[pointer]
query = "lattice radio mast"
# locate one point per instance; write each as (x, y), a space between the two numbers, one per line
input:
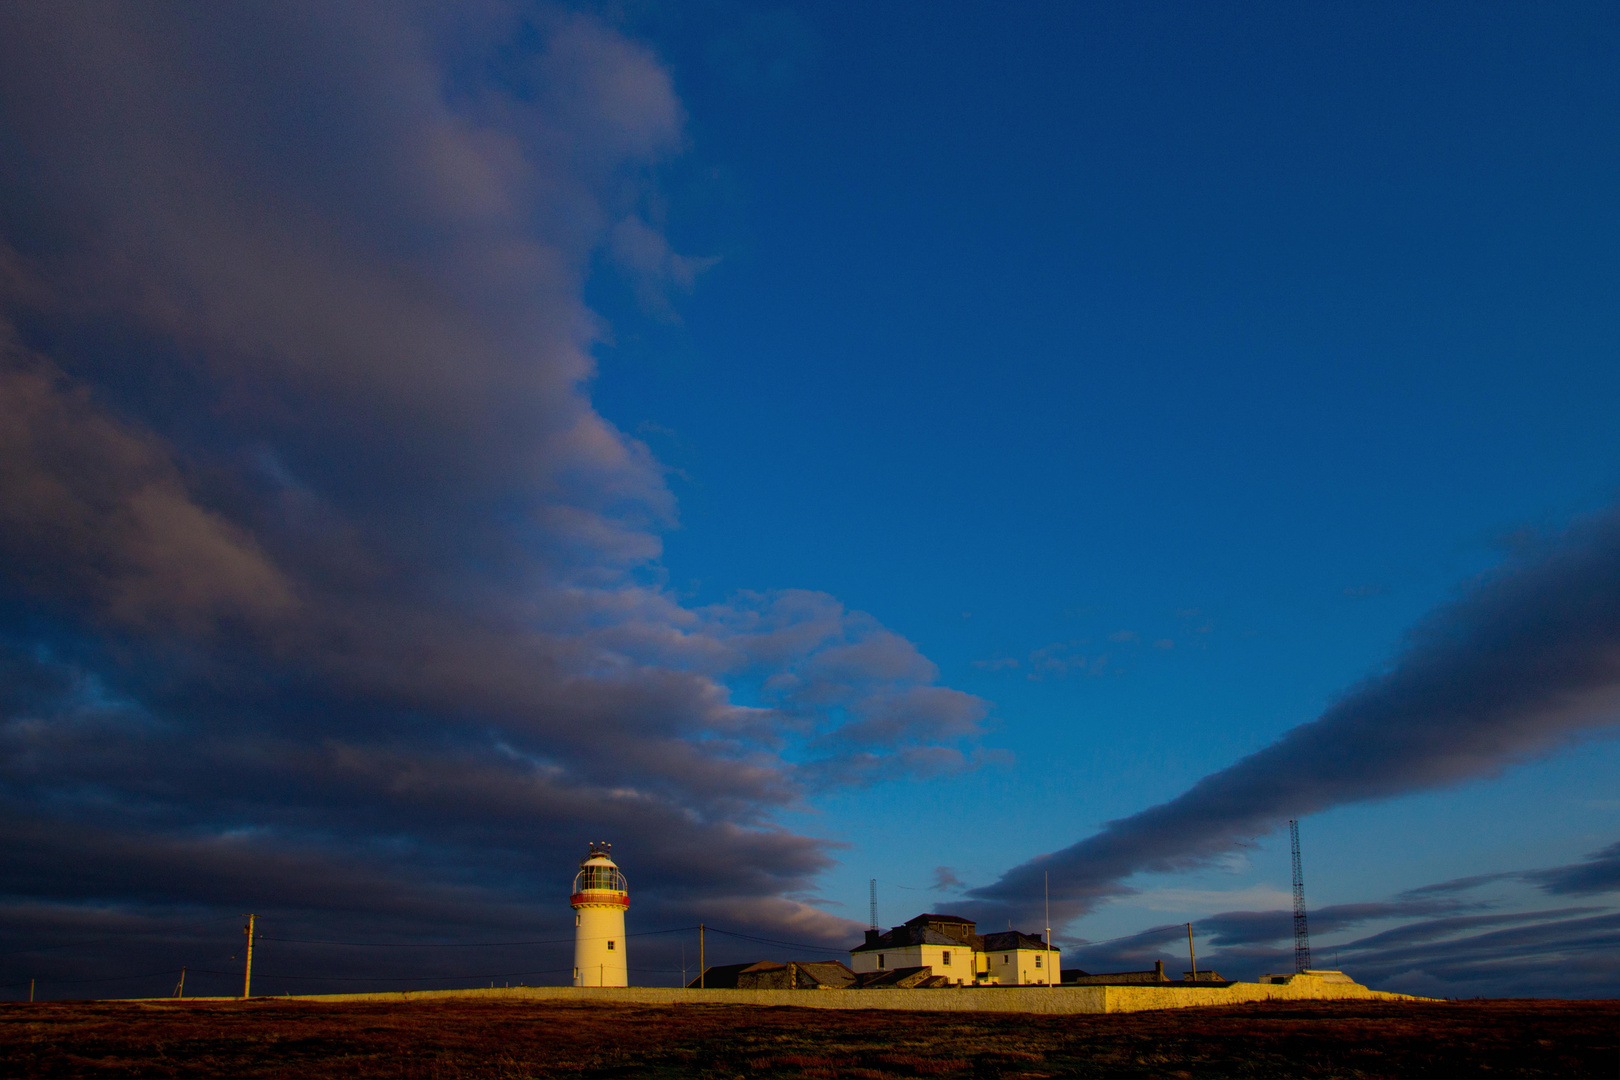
(874, 903)
(1302, 932)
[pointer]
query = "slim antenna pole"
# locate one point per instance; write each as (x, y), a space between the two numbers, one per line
(874, 903)
(1192, 956)
(247, 972)
(1302, 931)
(1047, 878)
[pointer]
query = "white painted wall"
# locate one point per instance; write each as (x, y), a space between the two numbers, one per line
(960, 968)
(1017, 967)
(599, 946)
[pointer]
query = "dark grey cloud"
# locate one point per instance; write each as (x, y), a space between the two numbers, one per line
(1598, 873)
(1564, 952)
(1456, 885)
(1257, 927)
(1525, 661)
(1567, 953)
(1445, 944)
(326, 591)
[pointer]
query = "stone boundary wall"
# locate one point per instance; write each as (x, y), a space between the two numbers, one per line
(1012, 999)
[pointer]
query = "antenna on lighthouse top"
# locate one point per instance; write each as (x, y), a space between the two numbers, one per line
(1302, 932)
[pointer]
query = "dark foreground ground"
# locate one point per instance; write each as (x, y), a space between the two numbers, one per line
(511, 1039)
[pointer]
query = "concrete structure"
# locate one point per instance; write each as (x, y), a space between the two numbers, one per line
(813, 975)
(948, 947)
(1309, 975)
(599, 900)
(1050, 1000)
(770, 975)
(1076, 977)
(1153, 977)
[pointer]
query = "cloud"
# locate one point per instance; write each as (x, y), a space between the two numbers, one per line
(1205, 899)
(1567, 952)
(326, 590)
(1598, 873)
(945, 880)
(1257, 927)
(1524, 662)
(645, 255)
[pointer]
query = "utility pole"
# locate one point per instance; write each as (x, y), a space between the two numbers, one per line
(247, 972)
(1302, 931)
(703, 969)
(1191, 956)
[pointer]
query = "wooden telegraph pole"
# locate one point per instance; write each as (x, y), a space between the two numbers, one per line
(702, 970)
(247, 972)
(1191, 955)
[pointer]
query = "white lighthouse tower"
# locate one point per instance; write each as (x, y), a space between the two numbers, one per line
(600, 899)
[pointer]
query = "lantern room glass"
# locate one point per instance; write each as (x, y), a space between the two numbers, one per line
(599, 879)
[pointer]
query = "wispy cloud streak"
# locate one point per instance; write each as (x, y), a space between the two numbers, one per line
(1525, 661)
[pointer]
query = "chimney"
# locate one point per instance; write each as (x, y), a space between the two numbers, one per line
(1158, 970)
(872, 937)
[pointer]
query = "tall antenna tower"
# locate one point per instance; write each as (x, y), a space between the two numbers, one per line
(874, 903)
(1302, 932)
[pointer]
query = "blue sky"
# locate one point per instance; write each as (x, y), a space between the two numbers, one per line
(1250, 334)
(810, 443)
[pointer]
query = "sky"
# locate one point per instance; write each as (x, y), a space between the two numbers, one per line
(1018, 457)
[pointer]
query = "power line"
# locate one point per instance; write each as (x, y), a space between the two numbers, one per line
(460, 944)
(395, 978)
(126, 935)
(784, 944)
(110, 978)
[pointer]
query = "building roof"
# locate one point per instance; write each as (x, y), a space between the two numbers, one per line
(902, 936)
(1008, 940)
(721, 976)
(910, 978)
(941, 919)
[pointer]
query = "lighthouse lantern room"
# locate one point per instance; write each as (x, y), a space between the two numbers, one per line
(599, 900)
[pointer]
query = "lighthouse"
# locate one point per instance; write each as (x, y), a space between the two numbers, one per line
(599, 901)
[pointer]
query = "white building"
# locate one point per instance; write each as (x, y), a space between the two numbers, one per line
(948, 947)
(599, 900)
(1017, 959)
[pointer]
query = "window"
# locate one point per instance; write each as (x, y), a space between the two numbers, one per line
(1037, 959)
(576, 918)
(610, 946)
(1005, 959)
(880, 961)
(947, 960)
(576, 974)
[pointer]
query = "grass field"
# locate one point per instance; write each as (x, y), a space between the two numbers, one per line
(511, 1039)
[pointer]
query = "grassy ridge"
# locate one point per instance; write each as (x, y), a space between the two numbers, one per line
(280, 1040)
